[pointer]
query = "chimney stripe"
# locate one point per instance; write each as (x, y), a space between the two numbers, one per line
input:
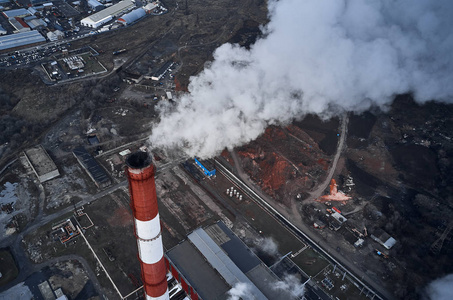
(140, 174)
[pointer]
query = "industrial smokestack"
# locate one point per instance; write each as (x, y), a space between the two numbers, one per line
(140, 174)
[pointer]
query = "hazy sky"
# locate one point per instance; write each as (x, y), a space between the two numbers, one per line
(319, 57)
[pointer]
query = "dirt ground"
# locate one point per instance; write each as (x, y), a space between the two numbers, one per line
(395, 169)
(286, 162)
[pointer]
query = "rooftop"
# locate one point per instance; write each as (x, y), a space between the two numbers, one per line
(20, 39)
(203, 278)
(98, 174)
(16, 13)
(214, 259)
(111, 11)
(40, 160)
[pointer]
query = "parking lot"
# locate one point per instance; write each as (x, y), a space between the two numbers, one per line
(31, 56)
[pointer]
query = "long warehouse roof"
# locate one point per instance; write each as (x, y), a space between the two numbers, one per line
(20, 39)
(111, 11)
(16, 13)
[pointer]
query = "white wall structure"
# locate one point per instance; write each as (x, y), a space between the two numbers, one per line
(132, 16)
(105, 15)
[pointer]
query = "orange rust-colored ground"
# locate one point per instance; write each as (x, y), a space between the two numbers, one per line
(324, 163)
(280, 159)
(274, 173)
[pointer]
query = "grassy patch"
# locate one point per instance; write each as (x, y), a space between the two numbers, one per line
(310, 261)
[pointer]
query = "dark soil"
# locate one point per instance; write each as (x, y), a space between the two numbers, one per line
(418, 165)
(323, 132)
(359, 129)
(247, 34)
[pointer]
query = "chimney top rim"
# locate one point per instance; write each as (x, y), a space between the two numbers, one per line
(138, 160)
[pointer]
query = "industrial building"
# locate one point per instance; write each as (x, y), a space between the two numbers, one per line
(41, 163)
(132, 16)
(213, 260)
(206, 166)
(95, 5)
(208, 264)
(19, 25)
(37, 2)
(55, 35)
(150, 6)
(20, 39)
(2, 31)
(34, 22)
(162, 71)
(383, 238)
(105, 15)
(65, 9)
(92, 167)
(21, 12)
(133, 77)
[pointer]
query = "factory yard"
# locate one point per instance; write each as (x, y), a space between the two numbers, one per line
(187, 200)
(91, 101)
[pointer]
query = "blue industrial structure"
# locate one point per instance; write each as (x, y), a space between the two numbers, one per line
(206, 170)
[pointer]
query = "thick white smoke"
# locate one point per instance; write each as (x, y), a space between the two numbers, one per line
(239, 291)
(292, 285)
(268, 246)
(316, 57)
(440, 289)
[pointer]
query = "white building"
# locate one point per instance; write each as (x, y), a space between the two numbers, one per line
(55, 35)
(95, 5)
(132, 16)
(105, 15)
(150, 6)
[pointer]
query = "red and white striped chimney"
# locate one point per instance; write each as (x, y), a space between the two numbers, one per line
(140, 174)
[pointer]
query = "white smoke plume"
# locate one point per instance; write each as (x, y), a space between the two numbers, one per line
(292, 285)
(240, 290)
(319, 57)
(440, 289)
(268, 246)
